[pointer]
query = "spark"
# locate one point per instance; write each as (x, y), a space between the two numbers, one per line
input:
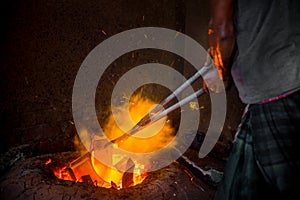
(172, 63)
(104, 33)
(48, 161)
(210, 31)
(194, 105)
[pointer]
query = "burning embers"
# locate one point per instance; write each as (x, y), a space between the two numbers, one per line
(87, 168)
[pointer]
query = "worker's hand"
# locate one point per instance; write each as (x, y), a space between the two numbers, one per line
(224, 72)
(211, 78)
(213, 81)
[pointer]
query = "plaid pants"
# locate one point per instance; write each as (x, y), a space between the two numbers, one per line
(264, 163)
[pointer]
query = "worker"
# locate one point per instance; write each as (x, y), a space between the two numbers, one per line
(257, 45)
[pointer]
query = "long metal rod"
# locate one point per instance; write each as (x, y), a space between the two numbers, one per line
(175, 106)
(161, 105)
(151, 117)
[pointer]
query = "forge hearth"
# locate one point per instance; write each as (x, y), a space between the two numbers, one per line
(87, 169)
(33, 178)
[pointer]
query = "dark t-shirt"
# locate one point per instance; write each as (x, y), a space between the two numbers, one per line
(268, 39)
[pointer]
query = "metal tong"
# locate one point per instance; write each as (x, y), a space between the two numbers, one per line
(159, 112)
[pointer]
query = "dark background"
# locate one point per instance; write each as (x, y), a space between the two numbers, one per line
(43, 44)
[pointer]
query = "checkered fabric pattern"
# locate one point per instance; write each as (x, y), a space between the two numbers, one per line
(264, 163)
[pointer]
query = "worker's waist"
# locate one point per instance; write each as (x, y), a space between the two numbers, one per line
(280, 96)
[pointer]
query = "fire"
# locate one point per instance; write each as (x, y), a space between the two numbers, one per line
(215, 51)
(217, 57)
(63, 174)
(116, 178)
(88, 169)
(152, 138)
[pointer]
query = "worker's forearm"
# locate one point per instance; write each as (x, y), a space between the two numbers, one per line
(221, 32)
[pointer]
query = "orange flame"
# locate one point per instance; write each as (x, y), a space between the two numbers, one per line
(150, 139)
(63, 174)
(215, 51)
(217, 57)
(155, 136)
